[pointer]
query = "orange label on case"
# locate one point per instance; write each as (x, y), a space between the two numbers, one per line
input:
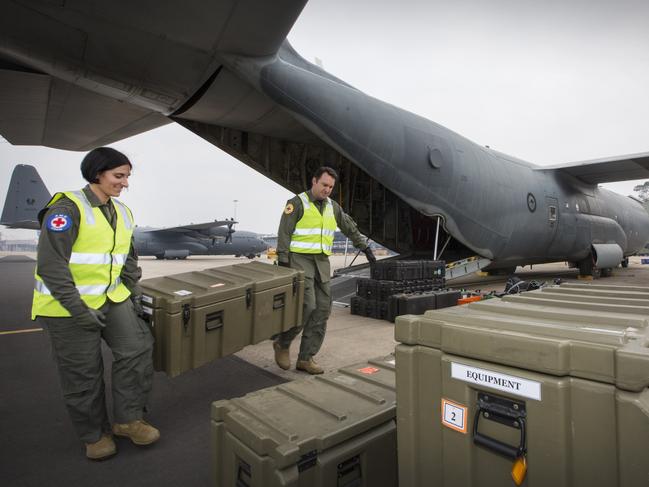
(454, 415)
(368, 370)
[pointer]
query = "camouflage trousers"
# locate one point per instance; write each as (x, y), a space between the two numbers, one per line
(316, 311)
(77, 352)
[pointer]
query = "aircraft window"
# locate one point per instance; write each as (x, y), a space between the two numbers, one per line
(553, 213)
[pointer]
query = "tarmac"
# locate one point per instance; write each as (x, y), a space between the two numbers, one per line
(39, 447)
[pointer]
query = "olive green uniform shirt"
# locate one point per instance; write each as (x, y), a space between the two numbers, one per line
(287, 225)
(55, 249)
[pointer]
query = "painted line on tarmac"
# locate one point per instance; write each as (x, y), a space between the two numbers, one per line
(15, 332)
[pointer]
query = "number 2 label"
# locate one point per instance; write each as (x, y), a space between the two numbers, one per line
(454, 415)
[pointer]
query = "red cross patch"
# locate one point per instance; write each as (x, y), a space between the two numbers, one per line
(58, 222)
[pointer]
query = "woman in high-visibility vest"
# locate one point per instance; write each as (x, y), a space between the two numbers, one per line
(86, 290)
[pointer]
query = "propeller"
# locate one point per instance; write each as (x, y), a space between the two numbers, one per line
(228, 237)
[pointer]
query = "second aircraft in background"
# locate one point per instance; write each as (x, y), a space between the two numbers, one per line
(27, 195)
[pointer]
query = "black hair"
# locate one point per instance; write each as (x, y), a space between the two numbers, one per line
(101, 159)
(325, 169)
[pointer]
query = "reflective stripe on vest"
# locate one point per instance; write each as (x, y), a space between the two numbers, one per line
(92, 290)
(98, 256)
(314, 232)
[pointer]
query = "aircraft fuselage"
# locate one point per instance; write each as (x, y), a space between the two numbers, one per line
(180, 246)
(500, 207)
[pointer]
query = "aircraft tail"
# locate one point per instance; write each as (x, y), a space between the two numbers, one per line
(26, 196)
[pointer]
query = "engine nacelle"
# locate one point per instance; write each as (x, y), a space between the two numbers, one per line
(176, 254)
(607, 256)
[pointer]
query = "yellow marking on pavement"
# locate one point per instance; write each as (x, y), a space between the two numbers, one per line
(13, 332)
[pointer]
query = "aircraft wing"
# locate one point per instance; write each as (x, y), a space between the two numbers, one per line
(37, 109)
(77, 77)
(191, 229)
(607, 170)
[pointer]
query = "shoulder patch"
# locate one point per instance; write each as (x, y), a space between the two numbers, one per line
(58, 222)
(289, 209)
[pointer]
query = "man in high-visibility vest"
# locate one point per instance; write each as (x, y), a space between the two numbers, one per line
(304, 241)
(86, 289)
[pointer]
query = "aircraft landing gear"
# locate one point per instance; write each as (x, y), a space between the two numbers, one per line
(251, 256)
(505, 271)
(608, 272)
(586, 267)
(625, 263)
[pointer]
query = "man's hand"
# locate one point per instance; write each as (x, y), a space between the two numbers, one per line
(369, 255)
(92, 317)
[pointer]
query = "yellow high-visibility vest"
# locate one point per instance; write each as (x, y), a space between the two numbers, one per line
(314, 232)
(98, 256)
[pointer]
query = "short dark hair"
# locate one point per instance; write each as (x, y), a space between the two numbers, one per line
(326, 169)
(101, 159)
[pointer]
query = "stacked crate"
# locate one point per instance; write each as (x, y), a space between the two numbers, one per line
(393, 277)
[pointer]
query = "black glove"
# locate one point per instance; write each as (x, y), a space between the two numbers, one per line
(283, 264)
(369, 255)
(93, 317)
(136, 299)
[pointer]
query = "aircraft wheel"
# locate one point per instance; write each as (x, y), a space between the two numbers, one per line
(625, 263)
(251, 256)
(608, 272)
(159, 257)
(586, 266)
(505, 271)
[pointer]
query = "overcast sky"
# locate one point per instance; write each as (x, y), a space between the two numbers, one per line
(550, 82)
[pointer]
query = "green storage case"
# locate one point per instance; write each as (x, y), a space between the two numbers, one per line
(333, 430)
(559, 375)
(197, 317)
(278, 296)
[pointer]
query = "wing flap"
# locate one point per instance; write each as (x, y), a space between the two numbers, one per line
(607, 170)
(36, 109)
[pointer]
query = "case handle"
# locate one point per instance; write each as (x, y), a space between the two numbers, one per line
(495, 445)
(350, 473)
(279, 301)
(214, 320)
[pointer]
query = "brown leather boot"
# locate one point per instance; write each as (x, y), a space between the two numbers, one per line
(102, 449)
(309, 366)
(139, 431)
(282, 356)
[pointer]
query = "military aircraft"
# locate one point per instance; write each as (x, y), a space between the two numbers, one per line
(76, 76)
(27, 194)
